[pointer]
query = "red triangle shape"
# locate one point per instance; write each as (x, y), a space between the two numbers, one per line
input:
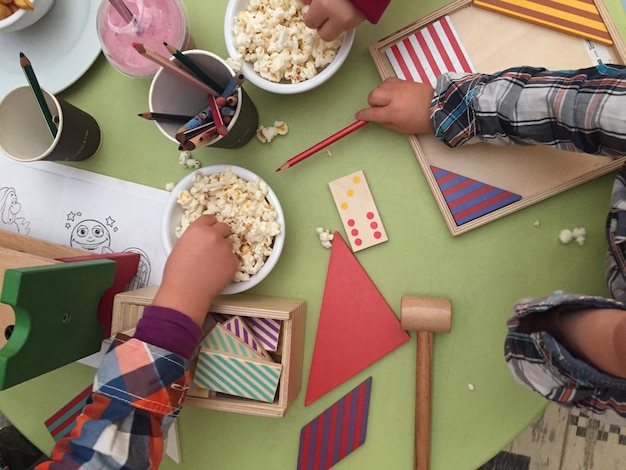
(356, 326)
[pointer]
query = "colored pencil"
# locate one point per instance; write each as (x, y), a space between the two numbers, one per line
(193, 68)
(172, 67)
(41, 101)
(217, 117)
(323, 144)
(199, 119)
(191, 133)
(234, 83)
(126, 14)
(164, 117)
(199, 140)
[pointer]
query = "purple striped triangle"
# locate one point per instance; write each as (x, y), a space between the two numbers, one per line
(337, 431)
(469, 199)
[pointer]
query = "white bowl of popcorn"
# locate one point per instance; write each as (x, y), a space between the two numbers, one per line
(20, 14)
(274, 48)
(239, 198)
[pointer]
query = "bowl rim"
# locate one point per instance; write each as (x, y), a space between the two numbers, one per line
(171, 205)
(12, 18)
(283, 88)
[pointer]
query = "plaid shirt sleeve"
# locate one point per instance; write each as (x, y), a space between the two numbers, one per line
(580, 110)
(138, 392)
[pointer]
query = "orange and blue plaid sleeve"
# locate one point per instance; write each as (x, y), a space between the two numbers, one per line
(138, 392)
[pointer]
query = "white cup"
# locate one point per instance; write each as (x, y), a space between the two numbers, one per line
(25, 136)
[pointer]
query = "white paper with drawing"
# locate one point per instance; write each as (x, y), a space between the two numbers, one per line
(78, 208)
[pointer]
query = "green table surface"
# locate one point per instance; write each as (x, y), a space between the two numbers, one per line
(483, 272)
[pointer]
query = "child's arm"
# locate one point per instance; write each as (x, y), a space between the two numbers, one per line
(332, 17)
(597, 336)
(581, 110)
(142, 381)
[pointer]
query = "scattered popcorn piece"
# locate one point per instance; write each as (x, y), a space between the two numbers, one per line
(579, 234)
(186, 161)
(565, 236)
(471, 387)
(272, 36)
(537, 223)
(326, 238)
(243, 206)
(267, 134)
(170, 186)
(235, 63)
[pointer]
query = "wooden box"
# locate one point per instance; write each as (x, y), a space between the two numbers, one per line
(494, 42)
(128, 309)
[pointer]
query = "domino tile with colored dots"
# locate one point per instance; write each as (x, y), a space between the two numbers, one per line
(358, 211)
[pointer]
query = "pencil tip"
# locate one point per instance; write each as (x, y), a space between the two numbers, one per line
(24, 62)
(139, 47)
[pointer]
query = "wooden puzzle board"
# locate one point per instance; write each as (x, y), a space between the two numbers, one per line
(535, 173)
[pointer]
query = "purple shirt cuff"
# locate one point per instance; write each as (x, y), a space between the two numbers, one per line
(169, 329)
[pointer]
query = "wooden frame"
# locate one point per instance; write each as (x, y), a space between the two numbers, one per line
(128, 309)
(535, 173)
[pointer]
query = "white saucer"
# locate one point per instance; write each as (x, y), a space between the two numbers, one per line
(61, 47)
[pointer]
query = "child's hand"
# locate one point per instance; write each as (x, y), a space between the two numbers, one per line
(199, 267)
(332, 17)
(400, 105)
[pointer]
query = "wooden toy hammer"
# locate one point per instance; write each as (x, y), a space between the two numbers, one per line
(425, 316)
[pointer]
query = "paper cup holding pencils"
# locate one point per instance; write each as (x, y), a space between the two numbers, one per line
(25, 135)
(172, 93)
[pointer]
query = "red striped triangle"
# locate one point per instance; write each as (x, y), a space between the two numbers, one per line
(469, 199)
(356, 326)
(64, 420)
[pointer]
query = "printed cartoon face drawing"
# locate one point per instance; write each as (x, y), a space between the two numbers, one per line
(91, 235)
(9, 208)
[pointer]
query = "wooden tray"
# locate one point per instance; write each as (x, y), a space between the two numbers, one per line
(493, 42)
(128, 309)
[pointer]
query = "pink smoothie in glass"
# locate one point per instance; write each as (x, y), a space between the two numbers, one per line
(159, 21)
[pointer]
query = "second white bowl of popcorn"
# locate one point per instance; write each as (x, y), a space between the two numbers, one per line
(274, 48)
(239, 198)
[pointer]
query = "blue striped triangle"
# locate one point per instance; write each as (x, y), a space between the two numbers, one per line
(469, 199)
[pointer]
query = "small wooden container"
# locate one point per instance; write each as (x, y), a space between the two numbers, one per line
(128, 309)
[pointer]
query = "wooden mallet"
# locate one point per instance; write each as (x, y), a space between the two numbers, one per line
(425, 316)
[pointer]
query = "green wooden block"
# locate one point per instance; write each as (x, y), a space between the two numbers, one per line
(55, 316)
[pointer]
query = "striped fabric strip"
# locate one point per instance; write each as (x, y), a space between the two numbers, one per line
(578, 17)
(336, 432)
(431, 51)
(469, 199)
(236, 376)
(64, 420)
(238, 327)
(266, 330)
(221, 339)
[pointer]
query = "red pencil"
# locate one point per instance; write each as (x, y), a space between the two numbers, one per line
(323, 144)
(217, 117)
